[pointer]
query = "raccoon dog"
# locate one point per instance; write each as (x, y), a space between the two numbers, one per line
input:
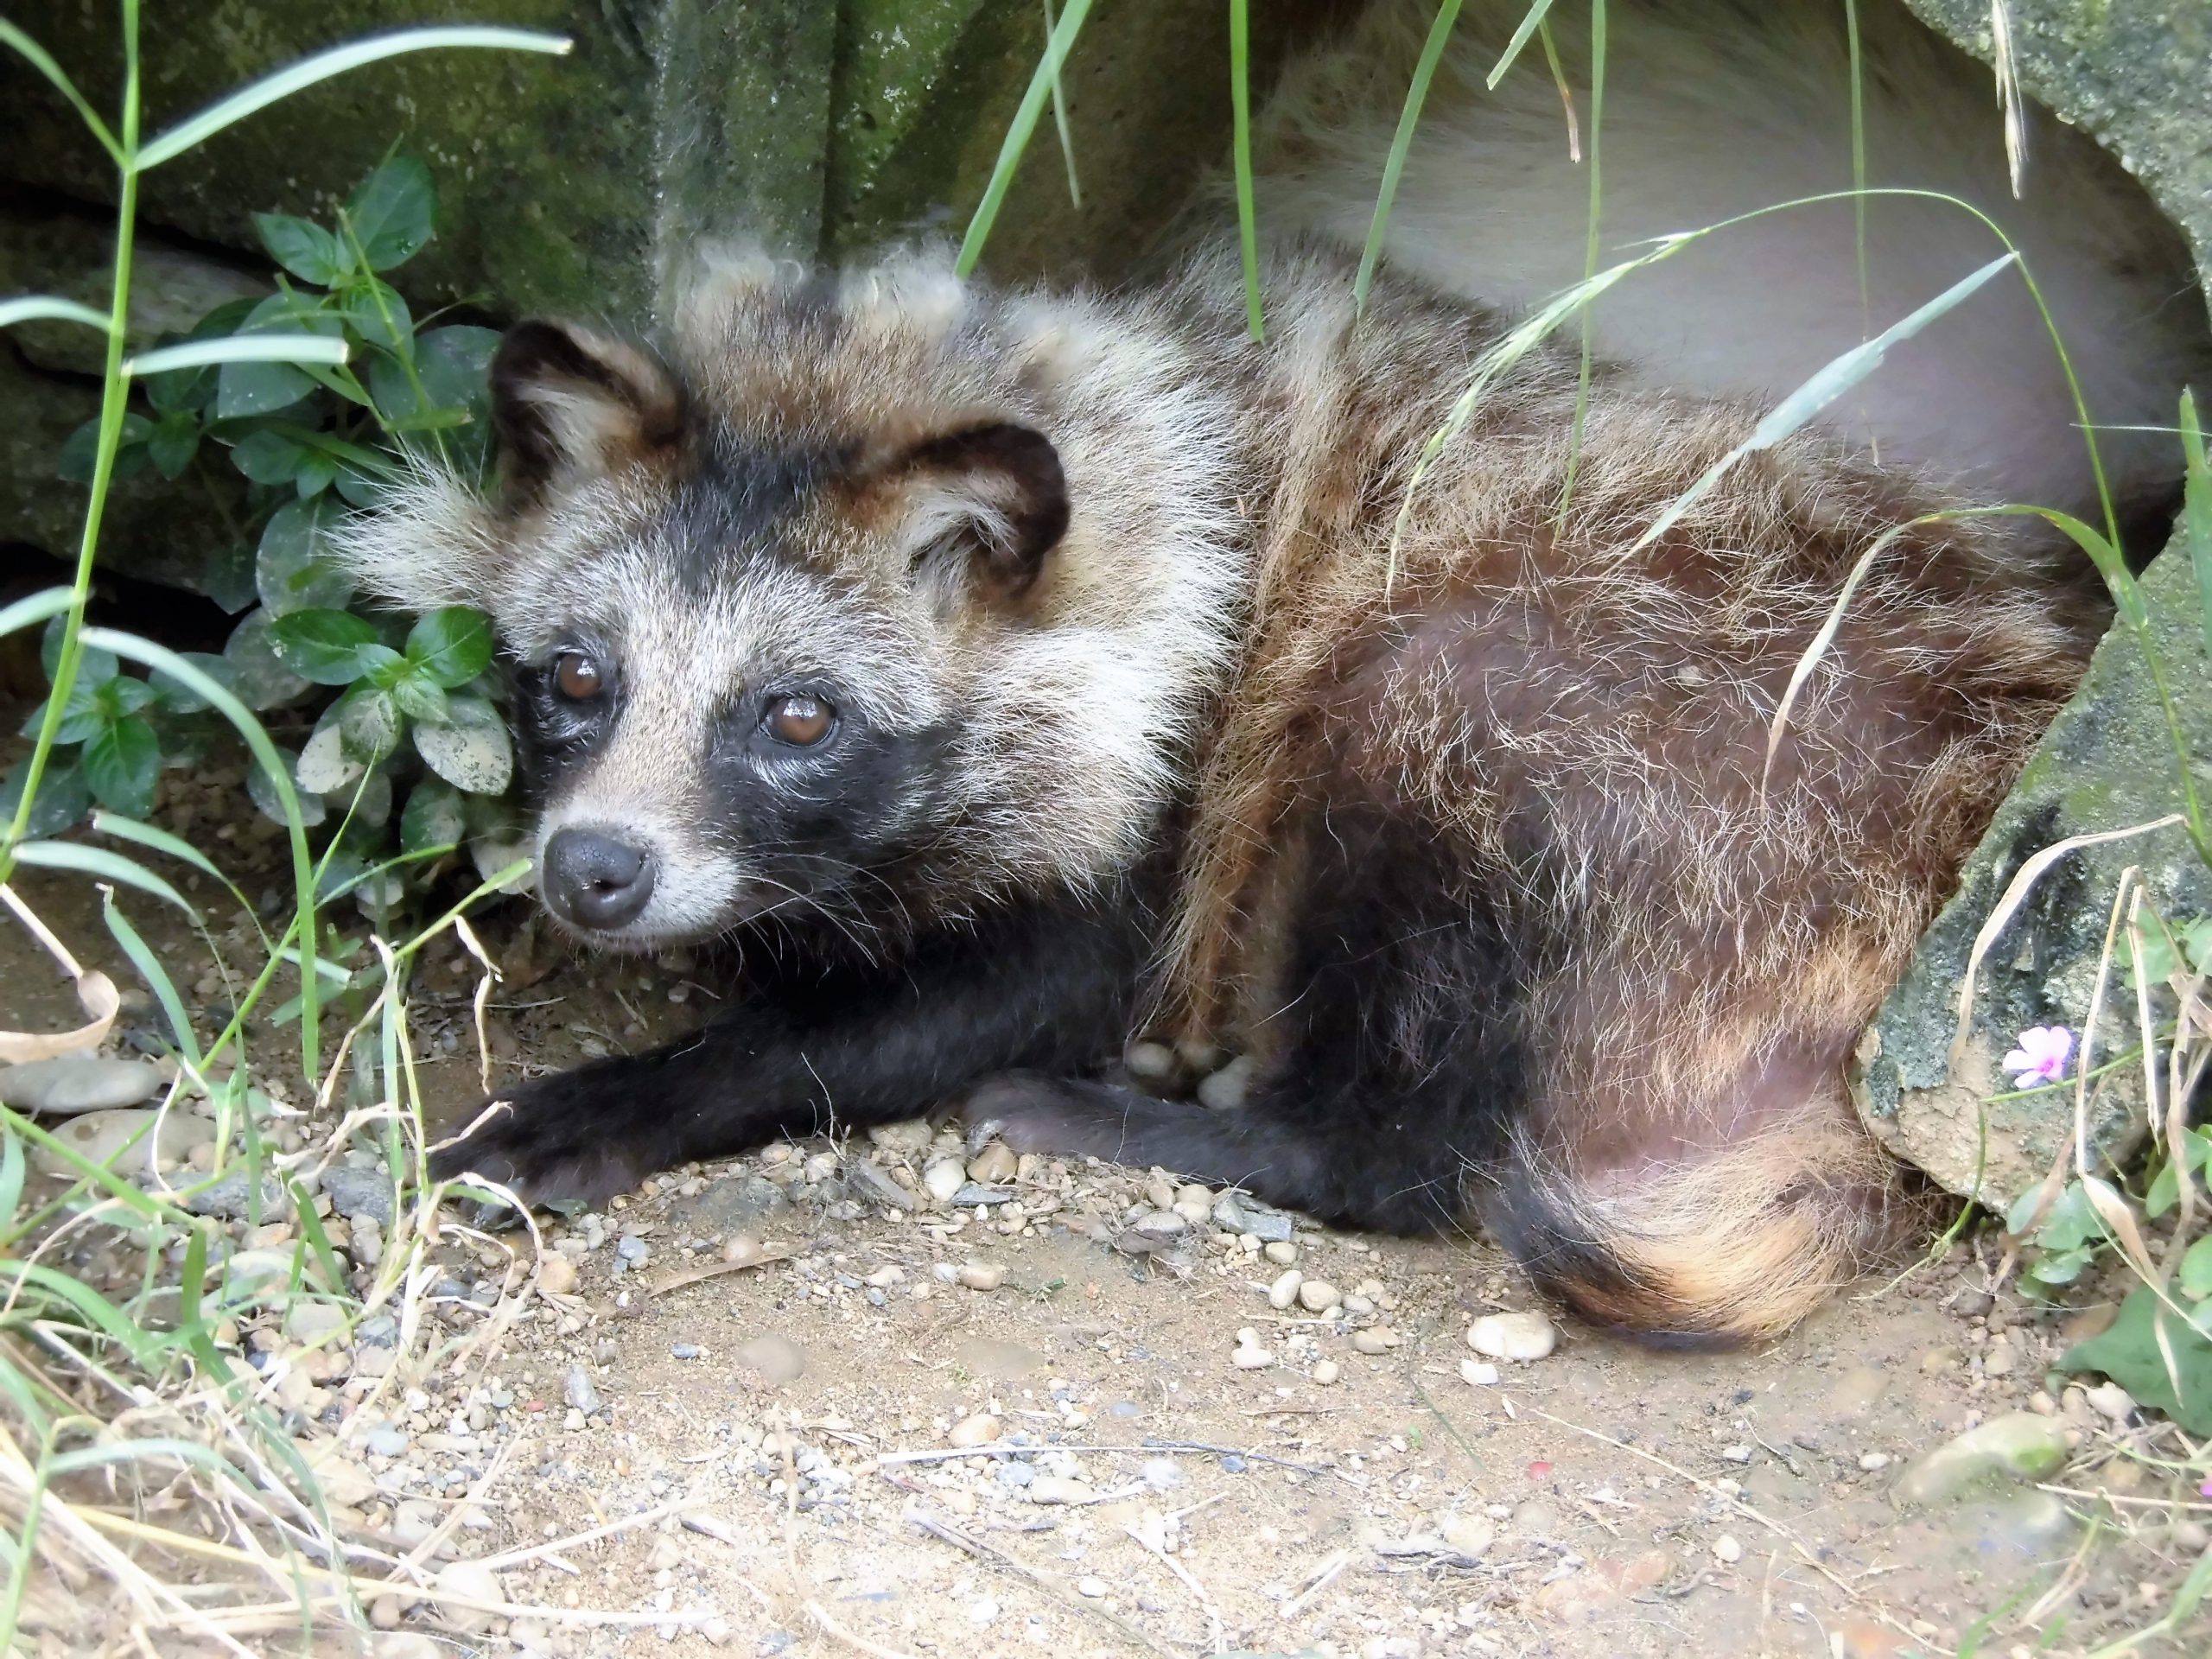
(1007, 671)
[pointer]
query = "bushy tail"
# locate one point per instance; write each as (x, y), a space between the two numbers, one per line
(1713, 1249)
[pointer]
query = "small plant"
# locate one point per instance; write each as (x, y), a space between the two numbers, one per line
(416, 706)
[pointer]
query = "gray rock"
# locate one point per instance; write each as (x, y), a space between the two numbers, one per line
(580, 1392)
(78, 1083)
(232, 1199)
(2010, 1450)
(386, 1441)
(2132, 74)
(354, 1191)
(974, 1192)
(1239, 1212)
(2106, 763)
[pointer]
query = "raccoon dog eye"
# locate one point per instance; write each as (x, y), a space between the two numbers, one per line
(800, 721)
(577, 677)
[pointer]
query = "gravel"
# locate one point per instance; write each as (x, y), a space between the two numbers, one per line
(580, 1392)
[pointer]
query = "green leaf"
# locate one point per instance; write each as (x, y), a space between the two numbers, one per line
(2165, 1186)
(2129, 1353)
(2195, 1277)
(375, 311)
(271, 804)
(175, 697)
(304, 248)
(420, 697)
(62, 797)
(80, 449)
(315, 475)
(268, 456)
(295, 568)
(453, 646)
(94, 666)
(125, 696)
(434, 817)
(258, 676)
(472, 752)
(330, 647)
(255, 388)
(82, 715)
(173, 442)
(121, 764)
(368, 721)
(393, 213)
(2071, 1223)
(194, 388)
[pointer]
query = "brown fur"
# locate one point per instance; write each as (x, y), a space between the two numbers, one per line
(1589, 722)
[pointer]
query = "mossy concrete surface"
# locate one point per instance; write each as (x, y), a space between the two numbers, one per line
(2134, 74)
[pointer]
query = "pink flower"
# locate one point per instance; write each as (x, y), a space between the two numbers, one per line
(2041, 1055)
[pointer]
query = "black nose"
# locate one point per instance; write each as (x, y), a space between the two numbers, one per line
(593, 881)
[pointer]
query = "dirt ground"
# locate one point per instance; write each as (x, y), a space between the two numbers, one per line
(787, 1457)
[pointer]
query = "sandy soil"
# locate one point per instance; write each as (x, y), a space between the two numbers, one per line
(769, 1448)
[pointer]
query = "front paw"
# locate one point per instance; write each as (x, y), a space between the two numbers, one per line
(1033, 1113)
(559, 1139)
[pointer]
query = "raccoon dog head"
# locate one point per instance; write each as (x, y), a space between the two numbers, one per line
(868, 598)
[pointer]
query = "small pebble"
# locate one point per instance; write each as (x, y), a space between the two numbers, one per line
(1060, 1488)
(1248, 1354)
(982, 1275)
(1092, 1587)
(2111, 1401)
(580, 1391)
(943, 1178)
(1736, 1453)
(1479, 1372)
(994, 1165)
(1513, 1336)
(685, 1350)
(1374, 1339)
(1284, 1291)
(386, 1442)
(1326, 1371)
(1727, 1547)
(1281, 1252)
(980, 1430)
(556, 1273)
(1870, 1461)
(1319, 1296)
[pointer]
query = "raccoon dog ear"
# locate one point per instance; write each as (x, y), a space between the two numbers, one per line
(569, 404)
(992, 500)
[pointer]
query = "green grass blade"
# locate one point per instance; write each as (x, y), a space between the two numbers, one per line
(145, 651)
(1060, 122)
(157, 980)
(1248, 217)
(40, 60)
(106, 866)
(1432, 53)
(1589, 252)
(46, 308)
(238, 348)
(1018, 134)
(1530, 24)
(30, 611)
(11, 1172)
(2196, 508)
(1826, 384)
(160, 840)
(324, 65)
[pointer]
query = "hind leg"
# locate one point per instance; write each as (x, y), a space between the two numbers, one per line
(1400, 1053)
